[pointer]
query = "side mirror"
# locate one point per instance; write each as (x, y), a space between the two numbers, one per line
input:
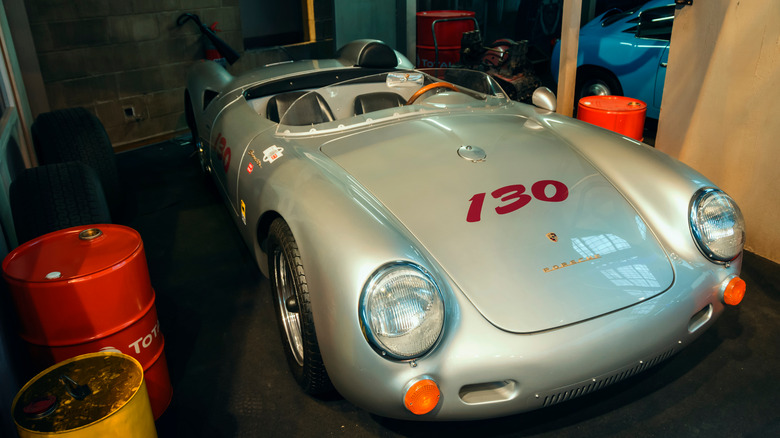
(656, 23)
(544, 98)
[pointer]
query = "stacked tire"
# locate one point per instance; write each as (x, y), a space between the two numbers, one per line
(77, 182)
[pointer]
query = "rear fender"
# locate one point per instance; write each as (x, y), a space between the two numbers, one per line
(206, 76)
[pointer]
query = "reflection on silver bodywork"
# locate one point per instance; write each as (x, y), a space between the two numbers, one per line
(628, 274)
(640, 225)
(437, 123)
(602, 244)
(631, 275)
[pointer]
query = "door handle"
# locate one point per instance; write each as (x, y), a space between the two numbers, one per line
(664, 64)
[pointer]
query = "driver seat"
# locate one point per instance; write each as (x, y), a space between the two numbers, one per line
(311, 109)
(366, 103)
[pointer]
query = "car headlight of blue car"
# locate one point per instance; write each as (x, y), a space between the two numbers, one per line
(717, 225)
(402, 311)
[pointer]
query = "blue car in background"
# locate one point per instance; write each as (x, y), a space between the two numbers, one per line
(624, 53)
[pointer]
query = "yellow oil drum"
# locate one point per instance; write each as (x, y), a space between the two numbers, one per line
(92, 395)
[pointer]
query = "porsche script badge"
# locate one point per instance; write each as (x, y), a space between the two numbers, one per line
(572, 263)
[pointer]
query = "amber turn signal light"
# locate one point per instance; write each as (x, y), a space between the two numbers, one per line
(734, 291)
(422, 397)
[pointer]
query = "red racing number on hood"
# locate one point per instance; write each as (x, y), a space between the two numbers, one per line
(513, 198)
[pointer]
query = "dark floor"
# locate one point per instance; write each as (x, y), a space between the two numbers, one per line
(230, 378)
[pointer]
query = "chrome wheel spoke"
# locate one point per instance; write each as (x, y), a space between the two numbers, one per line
(291, 321)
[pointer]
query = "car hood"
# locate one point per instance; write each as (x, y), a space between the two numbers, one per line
(573, 250)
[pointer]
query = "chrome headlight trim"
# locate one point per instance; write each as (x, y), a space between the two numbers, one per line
(717, 225)
(401, 311)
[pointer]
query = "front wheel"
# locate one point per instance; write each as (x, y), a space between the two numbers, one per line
(293, 310)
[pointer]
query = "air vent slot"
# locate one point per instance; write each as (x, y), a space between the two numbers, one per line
(208, 96)
(489, 392)
(700, 318)
(597, 384)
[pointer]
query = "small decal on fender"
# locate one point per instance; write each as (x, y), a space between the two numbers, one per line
(249, 168)
(272, 154)
(243, 212)
(252, 155)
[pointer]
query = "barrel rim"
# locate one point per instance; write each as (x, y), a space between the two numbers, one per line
(602, 104)
(141, 389)
(18, 252)
(446, 13)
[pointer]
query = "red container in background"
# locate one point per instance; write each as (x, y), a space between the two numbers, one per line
(87, 289)
(449, 27)
(621, 114)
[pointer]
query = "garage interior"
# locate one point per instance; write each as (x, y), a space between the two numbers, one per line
(126, 63)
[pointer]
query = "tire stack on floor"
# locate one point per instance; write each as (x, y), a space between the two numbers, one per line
(77, 181)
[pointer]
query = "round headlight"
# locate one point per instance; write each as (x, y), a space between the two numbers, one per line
(402, 311)
(717, 225)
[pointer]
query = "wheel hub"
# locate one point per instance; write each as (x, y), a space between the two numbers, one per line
(598, 90)
(291, 304)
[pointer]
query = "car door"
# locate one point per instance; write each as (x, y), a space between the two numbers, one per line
(656, 24)
(660, 78)
(233, 130)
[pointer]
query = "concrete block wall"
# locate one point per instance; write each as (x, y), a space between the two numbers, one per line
(126, 61)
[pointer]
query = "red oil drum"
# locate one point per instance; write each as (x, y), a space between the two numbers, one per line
(87, 289)
(442, 30)
(621, 114)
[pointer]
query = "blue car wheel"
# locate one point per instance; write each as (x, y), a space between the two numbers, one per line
(596, 82)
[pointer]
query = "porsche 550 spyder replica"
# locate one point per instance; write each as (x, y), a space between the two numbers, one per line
(437, 251)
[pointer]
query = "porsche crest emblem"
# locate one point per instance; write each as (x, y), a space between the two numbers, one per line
(552, 236)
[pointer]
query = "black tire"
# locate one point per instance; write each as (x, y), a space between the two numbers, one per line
(74, 134)
(200, 151)
(56, 196)
(299, 337)
(592, 82)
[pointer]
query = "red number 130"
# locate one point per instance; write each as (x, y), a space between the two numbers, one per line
(514, 198)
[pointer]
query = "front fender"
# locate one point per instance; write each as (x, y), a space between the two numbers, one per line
(658, 187)
(344, 234)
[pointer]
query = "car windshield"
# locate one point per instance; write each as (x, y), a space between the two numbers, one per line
(387, 97)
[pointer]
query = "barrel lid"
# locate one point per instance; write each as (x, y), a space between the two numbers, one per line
(71, 253)
(77, 392)
(613, 103)
(445, 14)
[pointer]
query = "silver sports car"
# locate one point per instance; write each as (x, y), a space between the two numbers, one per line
(439, 252)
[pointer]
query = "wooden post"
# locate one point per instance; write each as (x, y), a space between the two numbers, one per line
(309, 21)
(567, 74)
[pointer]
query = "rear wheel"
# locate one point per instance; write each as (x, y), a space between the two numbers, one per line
(189, 115)
(593, 82)
(293, 310)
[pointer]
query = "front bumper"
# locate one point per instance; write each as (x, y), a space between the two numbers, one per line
(483, 372)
